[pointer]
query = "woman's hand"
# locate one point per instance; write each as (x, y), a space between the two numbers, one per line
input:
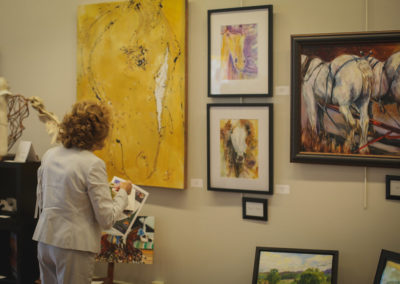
(127, 186)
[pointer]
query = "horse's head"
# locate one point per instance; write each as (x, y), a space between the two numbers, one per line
(232, 48)
(239, 141)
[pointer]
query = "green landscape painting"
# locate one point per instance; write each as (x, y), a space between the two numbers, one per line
(294, 268)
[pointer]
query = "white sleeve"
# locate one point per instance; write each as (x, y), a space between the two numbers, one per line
(106, 209)
(39, 198)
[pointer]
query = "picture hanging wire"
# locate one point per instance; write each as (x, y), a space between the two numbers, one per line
(365, 169)
(366, 15)
(365, 188)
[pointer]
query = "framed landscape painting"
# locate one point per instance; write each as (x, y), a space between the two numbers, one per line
(240, 51)
(288, 265)
(240, 147)
(345, 99)
(388, 270)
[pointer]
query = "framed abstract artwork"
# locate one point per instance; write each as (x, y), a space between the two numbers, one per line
(345, 99)
(288, 265)
(255, 208)
(388, 270)
(240, 147)
(393, 187)
(240, 51)
(132, 56)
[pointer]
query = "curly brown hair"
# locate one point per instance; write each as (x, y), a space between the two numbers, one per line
(86, 126)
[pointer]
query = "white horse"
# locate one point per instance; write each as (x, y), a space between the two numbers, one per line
(386, 86)
(346, 82)
(240, 150)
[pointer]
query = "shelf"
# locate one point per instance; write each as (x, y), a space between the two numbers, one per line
(18, 250)
(9, 224)
(15, 165)
(8, 280)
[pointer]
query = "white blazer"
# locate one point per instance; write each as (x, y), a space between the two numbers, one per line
(74, 200)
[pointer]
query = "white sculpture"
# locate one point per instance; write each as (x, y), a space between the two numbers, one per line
(4, 93)
(48, 118)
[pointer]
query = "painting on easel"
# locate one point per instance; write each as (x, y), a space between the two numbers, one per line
(137, 248)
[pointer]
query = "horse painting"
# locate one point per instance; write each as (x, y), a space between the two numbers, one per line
(345, 82)
(384, 109)
(386, 87)
(238, 52)
(239, 148)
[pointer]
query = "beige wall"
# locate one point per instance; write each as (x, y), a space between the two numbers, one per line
(201, 237)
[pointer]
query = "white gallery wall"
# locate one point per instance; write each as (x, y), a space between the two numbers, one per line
(201, 237)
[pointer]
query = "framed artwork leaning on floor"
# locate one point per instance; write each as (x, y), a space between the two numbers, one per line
(286, 265)
(388, 270)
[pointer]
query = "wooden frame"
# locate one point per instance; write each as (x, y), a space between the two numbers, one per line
(240, 147)
(393, 187)
(240, 51)
(388, 260)
(255, 208)
(324, 68)
(270, 262)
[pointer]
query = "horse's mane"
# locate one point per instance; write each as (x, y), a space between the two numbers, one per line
(306, 65)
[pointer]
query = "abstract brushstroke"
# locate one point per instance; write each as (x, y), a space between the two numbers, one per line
(161, 82)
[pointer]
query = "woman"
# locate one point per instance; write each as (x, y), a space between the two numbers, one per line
(74, 198)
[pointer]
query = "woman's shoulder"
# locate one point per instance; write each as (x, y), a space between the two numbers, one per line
(51, 151)
(91, 158)
(72, 153)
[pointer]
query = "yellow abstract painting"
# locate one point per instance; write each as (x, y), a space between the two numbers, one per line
(132, 56)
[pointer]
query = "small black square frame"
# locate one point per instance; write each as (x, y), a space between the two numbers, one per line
(255, 208)
(393, 187)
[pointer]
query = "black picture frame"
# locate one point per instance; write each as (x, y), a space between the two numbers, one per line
(268, 256)
(386, 258)
(307, 75)
(251, 76)
(255, 208)
(393, 187)
(251, 126)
